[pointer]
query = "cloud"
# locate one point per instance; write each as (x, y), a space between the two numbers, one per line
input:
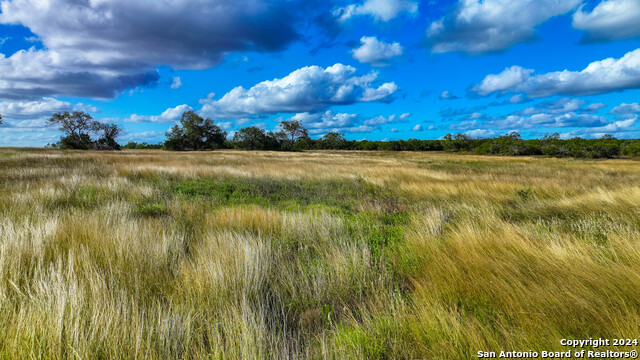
(544, 120)
(563, 105)
(308, 89)
(621, 128)
(226, 126)
(169, 116)
(383, 93)
(176, 83)
(381, 10)
(593, 108)
(599, 77)
(207, 99)
(324, 122)
(418, 127)
(375, 52)
(393, 130)
(506, 80)
(481, 133)
(18, 137)
(243, 121)
(609, 20)
(100, 48)
(561, 113)
(380, 120)
(518, 98)
(85, 108)
(44, 107)
(38, 73)
(625, 108)
(476, 115)
(404, 116)
(362, 129)
(446, 95)
(144, 136)
(477, 27)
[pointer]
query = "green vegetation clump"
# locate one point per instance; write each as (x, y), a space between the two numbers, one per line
(151, 210)
(283, 193)
(132, 145)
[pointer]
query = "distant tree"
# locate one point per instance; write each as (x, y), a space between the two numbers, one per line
(294, 129)
(303, 143)
(77, 122)
(276, 140)
(108, 134)
(0, 119)
(77, 126)
(334, 140)
(552, 145)
(605, 147)
(457, 142)
(195, 134)
(251, 138)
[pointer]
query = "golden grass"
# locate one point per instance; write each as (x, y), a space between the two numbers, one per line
(143, 254)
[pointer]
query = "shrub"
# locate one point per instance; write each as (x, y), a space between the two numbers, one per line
(151, 210)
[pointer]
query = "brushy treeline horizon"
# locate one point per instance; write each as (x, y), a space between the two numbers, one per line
(313, 255)
(510, 144)
(195, 133)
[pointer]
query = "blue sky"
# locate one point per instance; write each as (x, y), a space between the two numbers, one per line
(371, 69)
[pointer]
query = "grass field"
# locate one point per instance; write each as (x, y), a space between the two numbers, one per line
(361, 255)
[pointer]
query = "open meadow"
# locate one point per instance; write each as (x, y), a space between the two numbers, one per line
(336, 255)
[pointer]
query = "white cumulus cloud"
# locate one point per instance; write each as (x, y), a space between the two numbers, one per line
(324, 122)
(481, 26)
(170, 115)
(625, 108)
(609, 20)
(32, 109)
(506, 80)
(308, 89)
(376, 52)
(622, 128)
(599, 77)
(381, 10)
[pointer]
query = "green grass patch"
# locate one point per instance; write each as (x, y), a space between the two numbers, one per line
(84, 197)
(275, 192)
(151, 210)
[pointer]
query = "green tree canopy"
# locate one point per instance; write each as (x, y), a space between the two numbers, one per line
(78, 126)
(108, 134)
(251, 138)
(293, 129)
(334, 140)
(76, 123)
(195, 134)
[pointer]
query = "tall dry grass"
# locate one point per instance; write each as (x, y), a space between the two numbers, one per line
(236, 255)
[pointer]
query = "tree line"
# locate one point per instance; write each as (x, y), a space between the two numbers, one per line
(195, 133)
